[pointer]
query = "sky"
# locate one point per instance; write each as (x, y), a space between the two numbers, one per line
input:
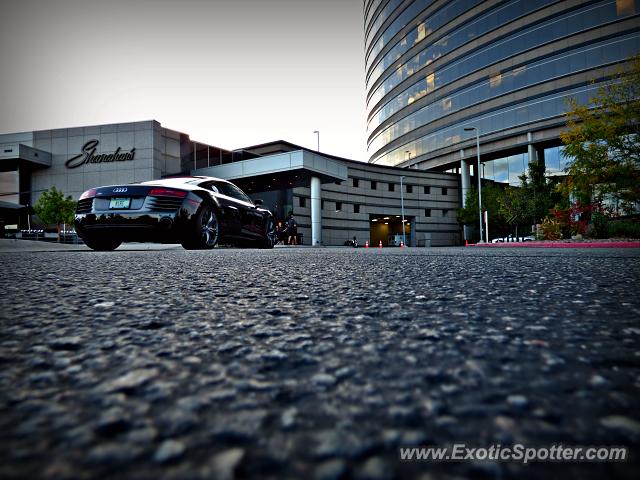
(231, 73)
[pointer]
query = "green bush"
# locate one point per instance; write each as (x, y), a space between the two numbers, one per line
(624, 229)
(599, 226)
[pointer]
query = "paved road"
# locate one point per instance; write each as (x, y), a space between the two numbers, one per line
(315, 363)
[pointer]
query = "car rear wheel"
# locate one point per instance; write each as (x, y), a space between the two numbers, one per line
(101, 244)
(270, 236)
(205, 231)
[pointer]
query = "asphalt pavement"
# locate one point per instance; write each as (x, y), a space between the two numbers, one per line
(315, 363)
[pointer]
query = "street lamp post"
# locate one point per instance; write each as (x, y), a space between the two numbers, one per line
(478, 173)
(404, 238)
(317, 132)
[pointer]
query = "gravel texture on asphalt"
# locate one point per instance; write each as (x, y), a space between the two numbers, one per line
(316, 363)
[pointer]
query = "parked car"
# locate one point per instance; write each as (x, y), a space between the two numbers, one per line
(511, 238)
(197, 212)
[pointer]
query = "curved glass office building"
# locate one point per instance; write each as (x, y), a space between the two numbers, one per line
(434, 67)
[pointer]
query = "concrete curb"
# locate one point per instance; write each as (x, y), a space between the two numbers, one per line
(631, 244)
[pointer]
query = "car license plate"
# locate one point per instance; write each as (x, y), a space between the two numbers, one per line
(119, 203)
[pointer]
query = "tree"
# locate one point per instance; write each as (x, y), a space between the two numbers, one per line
(532, 201)
(514, 205)
(526, 204)
(53, 208)
(491, 202)
(603, 140)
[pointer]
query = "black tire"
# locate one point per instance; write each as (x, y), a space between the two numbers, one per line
(205, 230)
(270, 236)
(101, 244)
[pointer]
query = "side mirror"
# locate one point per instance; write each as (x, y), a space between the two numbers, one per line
(258, 202)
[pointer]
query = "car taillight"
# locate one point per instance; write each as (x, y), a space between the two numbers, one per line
(88, 194)
(167, 192)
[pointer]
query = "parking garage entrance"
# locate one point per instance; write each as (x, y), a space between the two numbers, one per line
(388, 229)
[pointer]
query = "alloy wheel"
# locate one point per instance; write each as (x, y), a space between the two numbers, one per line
(209, 228)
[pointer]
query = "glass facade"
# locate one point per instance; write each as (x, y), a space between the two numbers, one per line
(520, 114)
(420, 33)
(505, 170)
(554, 161)
(525, 76)
(435, 67)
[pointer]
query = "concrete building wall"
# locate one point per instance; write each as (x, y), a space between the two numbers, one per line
(440, 227)
(157, 153)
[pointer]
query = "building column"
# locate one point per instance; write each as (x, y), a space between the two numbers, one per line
(533, 157)
(531, 150)
(465, 178)
(316, 212)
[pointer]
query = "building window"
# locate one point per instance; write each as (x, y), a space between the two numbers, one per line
(431, 81)
(303, 202)
(427, 190)
(445, 213)
(356, 209)
(374, 185)
(356, 182)
(392, 187)
(338, 206)
(427, 212)
(495, 80)
(625, 7)
(321, 204)
(409, 188)
(444, 190)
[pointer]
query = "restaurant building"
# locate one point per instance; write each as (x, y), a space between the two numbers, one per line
(333, 199)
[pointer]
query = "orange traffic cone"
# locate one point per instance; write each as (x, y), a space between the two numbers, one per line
(466, 243)
(366, 244)
(380, 244)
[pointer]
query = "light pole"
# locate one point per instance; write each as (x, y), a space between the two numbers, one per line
(404, 238)
(317, 132)
(478, 173)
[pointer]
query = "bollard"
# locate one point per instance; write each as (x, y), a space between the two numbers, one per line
(380, 244)
(366, 244)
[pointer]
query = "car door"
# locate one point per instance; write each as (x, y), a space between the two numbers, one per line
(253, 218)
(231, 218)
(250, 219)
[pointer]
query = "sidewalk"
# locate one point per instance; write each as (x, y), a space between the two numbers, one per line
(563, 244)
(13, 245)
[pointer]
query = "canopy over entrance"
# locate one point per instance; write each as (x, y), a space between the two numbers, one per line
(275, 172)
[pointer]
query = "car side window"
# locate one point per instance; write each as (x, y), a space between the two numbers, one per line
(239, 194)
(232, 191)
(221, 188)
(209, 186)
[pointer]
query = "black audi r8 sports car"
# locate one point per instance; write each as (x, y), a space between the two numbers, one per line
(197, 212)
